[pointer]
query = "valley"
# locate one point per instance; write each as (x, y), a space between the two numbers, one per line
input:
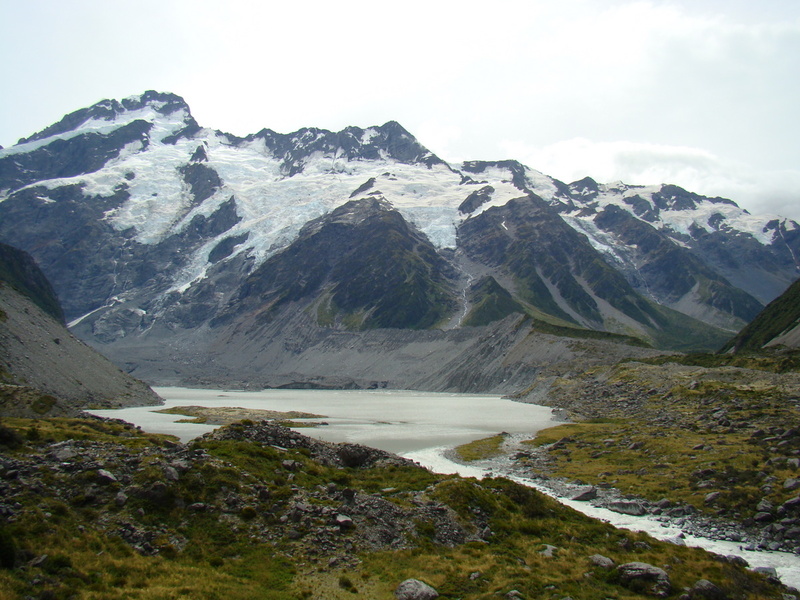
(139, 248)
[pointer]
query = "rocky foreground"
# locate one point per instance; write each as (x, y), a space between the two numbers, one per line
(96, 509)
(716, 448)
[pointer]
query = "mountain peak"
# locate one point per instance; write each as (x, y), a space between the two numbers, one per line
(109, 111)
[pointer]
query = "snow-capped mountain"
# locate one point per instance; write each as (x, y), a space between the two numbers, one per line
(150, 226)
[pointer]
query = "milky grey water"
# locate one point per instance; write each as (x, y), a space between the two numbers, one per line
(395, 421)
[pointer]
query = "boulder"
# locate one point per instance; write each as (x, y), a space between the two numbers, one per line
(104, 476)
(765, 506)
(344, 522)
(791, 484)
(598, 560)
(628, 507)
(414, 589)
(171, 473)
(644, 578)
(585, 494)
(705, 589)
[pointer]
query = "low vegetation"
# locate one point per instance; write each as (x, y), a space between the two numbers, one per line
(95, 509)
(481, 449)
(721, 438)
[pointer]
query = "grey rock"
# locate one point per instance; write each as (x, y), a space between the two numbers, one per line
(705, 589)
(791, 484)
(105, 477)
(765, 506)
(64, 454)
(645, 578)
(171, 474)
(585, 494)
(792, 503)
(548, 551)
(628, 507)
(344, 522)
(792, 533)
(599, 560)
(121, 499)
(762, 517)
(712, 497)
(768, 571)
(414, 589)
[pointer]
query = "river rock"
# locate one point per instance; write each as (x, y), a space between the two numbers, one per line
(645, 579)
(414, 589)
(585, 494)
(628, 507)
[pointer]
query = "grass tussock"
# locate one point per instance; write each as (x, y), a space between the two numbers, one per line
(481, 449)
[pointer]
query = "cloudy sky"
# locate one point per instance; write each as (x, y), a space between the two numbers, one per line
(702, 93)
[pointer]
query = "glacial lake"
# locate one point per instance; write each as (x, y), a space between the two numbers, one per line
(402, 422)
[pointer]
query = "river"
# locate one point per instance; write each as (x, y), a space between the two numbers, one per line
(420, 426)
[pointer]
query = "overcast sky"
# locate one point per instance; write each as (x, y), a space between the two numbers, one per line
(701, 93)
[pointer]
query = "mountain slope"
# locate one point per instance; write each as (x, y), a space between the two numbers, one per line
(20, 271)
(151, 228)
(777, 325)
(45, 370)
(364, 266)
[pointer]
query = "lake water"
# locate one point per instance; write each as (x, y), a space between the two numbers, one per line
(420, 426)
(396, 421)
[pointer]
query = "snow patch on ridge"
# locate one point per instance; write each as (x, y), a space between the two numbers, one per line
(708, 216)
(163, 125)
